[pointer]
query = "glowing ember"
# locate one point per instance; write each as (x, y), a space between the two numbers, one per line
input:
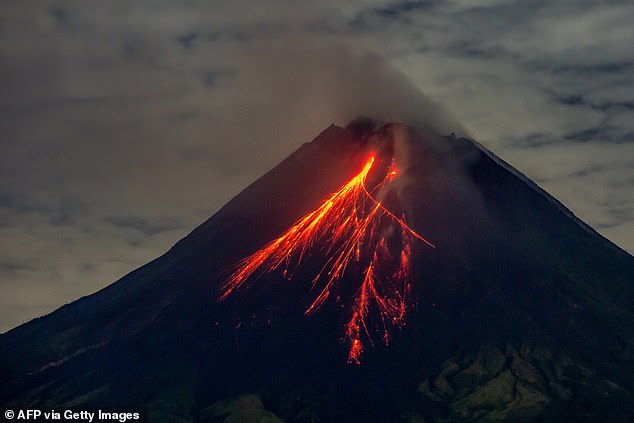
(353, 231)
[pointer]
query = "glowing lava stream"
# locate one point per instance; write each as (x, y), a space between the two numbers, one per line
(352, 229)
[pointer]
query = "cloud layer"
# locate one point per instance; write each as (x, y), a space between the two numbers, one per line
(125, 124)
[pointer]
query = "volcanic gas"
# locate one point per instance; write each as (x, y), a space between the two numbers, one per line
(354, 235)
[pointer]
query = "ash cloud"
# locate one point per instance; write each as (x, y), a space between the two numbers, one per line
(316, 81)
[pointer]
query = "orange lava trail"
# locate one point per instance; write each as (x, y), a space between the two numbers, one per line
(350, 227)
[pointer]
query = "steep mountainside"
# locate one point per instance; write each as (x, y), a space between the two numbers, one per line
(521, 312)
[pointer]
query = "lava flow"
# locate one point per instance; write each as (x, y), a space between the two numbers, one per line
(357, 236)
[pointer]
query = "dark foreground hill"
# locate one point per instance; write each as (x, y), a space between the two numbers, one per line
(521, 312)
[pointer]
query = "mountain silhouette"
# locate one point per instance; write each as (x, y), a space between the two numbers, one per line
(512, 308)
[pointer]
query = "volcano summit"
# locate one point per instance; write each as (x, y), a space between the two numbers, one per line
(376, 274)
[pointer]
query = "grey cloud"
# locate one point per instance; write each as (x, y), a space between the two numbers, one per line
(392, 11)
(537, 139)
(211, 76)
(606, 106)
(60, 15)
(15, 266)
(587, 134)
(599, 68)
(188, 40)
(145, 226)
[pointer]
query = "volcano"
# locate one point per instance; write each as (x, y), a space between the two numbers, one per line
(378, 274)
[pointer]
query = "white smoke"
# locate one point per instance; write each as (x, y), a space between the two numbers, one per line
(310, 83)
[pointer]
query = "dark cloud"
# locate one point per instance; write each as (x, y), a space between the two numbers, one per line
(396, 10)
(145, 226)
(60, 15)
(390, 12)
(10, 267)
(587, 134)
(572, 100)
(187, 40)
(609, 68)
(534, 140)
(211, 76)
(605, 106)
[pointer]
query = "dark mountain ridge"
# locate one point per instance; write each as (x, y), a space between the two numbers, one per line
(521, 312)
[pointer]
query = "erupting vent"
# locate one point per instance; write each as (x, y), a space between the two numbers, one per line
(356, 236)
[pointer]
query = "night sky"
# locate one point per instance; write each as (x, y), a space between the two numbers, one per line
(124, 125)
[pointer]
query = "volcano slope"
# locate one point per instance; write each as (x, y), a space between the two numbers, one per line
(508, 308)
